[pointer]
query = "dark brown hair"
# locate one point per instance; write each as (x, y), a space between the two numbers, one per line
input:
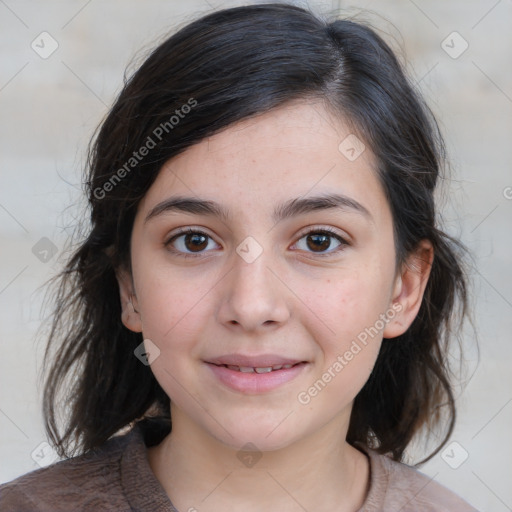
(224, 67)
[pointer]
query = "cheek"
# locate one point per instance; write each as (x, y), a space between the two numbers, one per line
(348, 330)
(349, 303)
(172, 301)
(172, 317)
(347, 321)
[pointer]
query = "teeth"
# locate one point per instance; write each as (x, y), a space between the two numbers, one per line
(266, 369)
(263, 370)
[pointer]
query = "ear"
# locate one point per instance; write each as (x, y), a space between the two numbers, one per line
(409, 288)
(130, 315)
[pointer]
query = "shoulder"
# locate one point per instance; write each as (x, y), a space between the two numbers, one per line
(87, 482)
(397, 486)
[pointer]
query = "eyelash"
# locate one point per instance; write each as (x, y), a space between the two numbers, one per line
(321, 231)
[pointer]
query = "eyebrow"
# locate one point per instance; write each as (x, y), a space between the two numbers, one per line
(291, 208)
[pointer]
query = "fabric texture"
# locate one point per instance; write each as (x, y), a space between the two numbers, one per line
(118, 477)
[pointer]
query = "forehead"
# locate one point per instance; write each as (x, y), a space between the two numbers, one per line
(295, 150)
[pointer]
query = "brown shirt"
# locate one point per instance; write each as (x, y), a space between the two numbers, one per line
(117, 477)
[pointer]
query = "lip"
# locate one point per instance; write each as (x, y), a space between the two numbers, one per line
(256, 383)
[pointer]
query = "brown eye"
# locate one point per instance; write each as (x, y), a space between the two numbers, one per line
(195, 242)
(319, 242)
(322, 242)
(190, 242)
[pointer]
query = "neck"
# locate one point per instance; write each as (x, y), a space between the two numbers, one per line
(319, 472)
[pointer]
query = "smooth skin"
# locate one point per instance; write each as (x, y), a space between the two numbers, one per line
(304, 297)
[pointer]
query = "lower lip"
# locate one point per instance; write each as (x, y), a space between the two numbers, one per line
(255, 383)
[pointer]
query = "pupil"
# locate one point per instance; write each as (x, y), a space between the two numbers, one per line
(324, 241)
(195, 243)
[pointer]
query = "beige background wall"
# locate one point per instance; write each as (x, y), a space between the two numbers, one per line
(50, 106)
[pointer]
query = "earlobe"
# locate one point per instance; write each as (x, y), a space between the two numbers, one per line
(130, 315)
(409, 288)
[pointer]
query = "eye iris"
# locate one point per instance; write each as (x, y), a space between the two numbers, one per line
(324, 240)
(196, 244)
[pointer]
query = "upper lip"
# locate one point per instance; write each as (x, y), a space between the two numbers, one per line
(260, 361)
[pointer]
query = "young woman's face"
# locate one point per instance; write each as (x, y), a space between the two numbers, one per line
(265, 285)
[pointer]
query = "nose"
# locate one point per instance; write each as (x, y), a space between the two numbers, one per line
(253, 297)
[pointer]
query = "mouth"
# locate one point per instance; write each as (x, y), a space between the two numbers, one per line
(255, 375)
(258, 369)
